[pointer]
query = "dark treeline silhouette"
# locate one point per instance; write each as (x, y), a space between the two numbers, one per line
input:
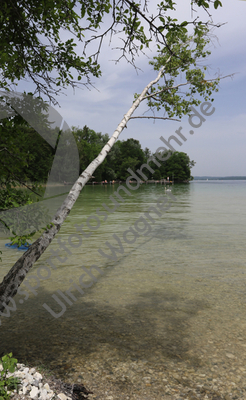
(128, 154)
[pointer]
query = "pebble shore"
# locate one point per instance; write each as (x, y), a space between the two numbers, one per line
(186, 385)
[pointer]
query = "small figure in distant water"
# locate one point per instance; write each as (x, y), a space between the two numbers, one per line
(168, 178)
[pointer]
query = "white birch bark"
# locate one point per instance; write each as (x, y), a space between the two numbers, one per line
(16, 275)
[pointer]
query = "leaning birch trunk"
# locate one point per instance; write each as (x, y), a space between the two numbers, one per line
(14, 278)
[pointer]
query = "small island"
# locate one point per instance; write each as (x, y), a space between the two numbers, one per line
(129, 154)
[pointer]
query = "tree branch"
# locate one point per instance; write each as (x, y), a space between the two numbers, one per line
(166, 89)
(170, 119)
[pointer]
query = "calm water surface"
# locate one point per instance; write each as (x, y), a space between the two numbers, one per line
(176, 295)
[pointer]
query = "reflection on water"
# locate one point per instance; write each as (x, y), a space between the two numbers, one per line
(174, 298)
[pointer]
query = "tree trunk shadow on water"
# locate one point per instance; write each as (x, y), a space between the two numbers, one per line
(155, 328)
(157, 323)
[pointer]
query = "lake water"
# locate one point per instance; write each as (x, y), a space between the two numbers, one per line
(174, 302)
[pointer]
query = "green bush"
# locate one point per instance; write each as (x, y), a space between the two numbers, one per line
(7, 384)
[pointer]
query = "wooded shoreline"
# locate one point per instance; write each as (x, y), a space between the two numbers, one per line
(162, 182)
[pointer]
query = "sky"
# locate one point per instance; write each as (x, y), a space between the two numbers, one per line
(218, 146)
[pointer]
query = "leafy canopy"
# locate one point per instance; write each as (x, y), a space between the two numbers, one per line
(39, 38)
(183, 82)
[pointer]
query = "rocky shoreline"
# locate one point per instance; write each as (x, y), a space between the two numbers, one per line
(33, 385)
(166, 385)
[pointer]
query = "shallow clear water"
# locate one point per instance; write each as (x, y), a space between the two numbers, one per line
(176, 295)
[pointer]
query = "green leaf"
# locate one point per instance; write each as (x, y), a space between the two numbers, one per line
(217, 3)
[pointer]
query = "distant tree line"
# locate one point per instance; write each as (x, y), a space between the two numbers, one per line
(220, 178)
(128, 154)
(26, 157)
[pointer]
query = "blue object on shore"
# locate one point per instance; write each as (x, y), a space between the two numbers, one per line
(13, 246)
(23, 247)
